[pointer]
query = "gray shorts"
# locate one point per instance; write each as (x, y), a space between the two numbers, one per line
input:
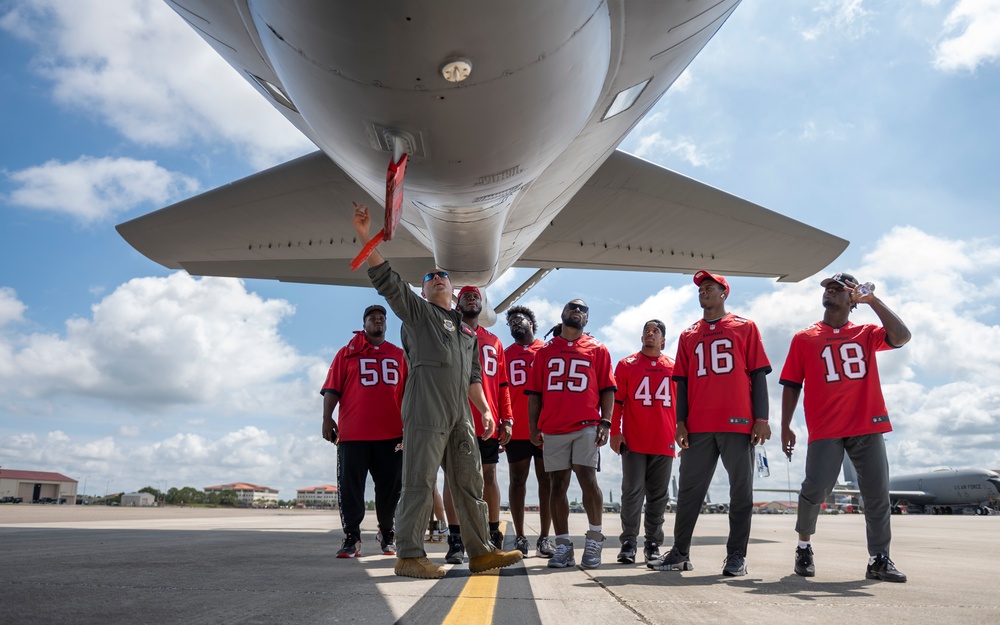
(562, 451)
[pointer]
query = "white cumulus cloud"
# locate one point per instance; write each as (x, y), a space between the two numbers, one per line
(164, 341)
(145, 72)
(93, 189)
(11, 308)
(971, 36)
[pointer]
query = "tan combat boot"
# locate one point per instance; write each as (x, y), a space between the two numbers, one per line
(421, 568)
(495, 559)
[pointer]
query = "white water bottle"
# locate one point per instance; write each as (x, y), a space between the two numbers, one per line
(763, 470)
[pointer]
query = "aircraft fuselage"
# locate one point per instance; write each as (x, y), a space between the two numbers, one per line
(493, 157)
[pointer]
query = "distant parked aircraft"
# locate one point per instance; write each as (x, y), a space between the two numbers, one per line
(942, 491)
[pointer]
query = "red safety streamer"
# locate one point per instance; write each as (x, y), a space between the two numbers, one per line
(393, 202)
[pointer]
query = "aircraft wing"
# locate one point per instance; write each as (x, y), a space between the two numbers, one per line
(910, 494)
(290, 223)
(634, 215)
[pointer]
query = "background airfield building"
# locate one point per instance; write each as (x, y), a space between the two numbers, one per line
(324, 496)
(248, 494)
(37, 486)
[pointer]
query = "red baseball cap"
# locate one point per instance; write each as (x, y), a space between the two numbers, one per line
(701, 275)
(466, 289)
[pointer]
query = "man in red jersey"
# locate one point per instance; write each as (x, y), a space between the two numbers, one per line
(571, 396)
(366, 379)
(520, 450)
(845, 412)
(642, 432)
(494, 371)
(722, 412)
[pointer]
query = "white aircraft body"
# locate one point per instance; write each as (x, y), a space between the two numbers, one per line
(510, 114)
(941, 491)
(944, 490)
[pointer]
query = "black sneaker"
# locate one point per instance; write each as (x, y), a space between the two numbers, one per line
(627, 554)
(545, 548)
(673, 561)
(804, 562)
(883, 569)
(651, 551)
(387, 540)
(456, 550)
(496, 539)
(351, 547)
(735, 565)
(521, 544)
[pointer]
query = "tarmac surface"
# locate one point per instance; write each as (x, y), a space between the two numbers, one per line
(82, 565)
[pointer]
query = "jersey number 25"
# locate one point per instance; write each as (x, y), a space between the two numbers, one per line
(574, 379)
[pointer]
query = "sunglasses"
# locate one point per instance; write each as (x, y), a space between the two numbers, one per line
(440, 274)
(580, 307)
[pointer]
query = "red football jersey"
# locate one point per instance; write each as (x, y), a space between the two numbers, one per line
(644, 404)
(369, 380)
(843, 395)
(519, 359)
(717, 359)
(570, 376)
(491, 357)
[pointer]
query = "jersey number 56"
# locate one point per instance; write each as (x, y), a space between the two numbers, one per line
(372, 373)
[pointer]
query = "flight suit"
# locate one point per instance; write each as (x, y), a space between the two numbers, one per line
(442, 359)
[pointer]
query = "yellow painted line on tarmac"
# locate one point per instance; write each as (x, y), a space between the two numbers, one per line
(477, 600)
(475, 605)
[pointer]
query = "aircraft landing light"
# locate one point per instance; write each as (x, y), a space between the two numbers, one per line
(456, 70)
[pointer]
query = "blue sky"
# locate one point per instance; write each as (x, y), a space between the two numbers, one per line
(873, 121)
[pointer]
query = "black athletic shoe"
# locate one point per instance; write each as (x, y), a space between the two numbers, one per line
(456, 550)
(651, 551)
(521, 544)
(673, 561)
(804, 562)
(735, 565)
(387, 540)
(545, 548)
(883, 569)
(627, 554)
(496, 539)
(351, 547)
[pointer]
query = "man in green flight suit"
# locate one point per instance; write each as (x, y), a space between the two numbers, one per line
(444, 374)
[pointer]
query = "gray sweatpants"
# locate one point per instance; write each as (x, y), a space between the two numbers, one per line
(823, 461)
(644, 476)
(698, 464)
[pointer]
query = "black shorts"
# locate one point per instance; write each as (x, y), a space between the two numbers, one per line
(490, 450)
(522, 450)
